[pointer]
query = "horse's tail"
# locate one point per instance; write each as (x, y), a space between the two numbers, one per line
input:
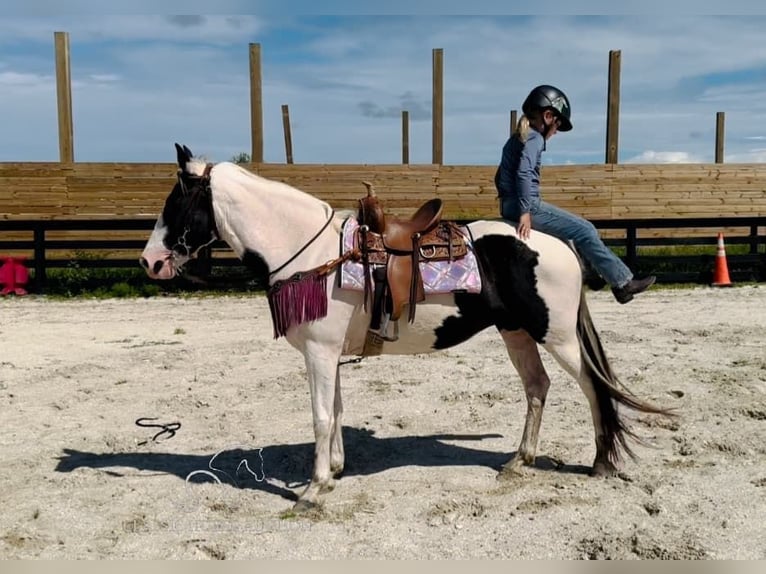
(610, 392)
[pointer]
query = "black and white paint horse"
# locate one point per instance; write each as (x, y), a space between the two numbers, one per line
(531, 293)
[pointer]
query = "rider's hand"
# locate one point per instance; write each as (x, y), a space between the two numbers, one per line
(525, 226)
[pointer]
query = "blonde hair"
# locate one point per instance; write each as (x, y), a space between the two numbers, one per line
(522, 129)
(523, 125)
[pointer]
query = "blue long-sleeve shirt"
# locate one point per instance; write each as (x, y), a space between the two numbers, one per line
(518, 175)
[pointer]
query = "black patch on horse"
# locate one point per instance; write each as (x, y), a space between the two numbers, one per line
(188, 211)
(257, 265)
(188, 215)
(508, 300)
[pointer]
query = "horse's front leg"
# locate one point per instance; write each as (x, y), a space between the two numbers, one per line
(322, 370)
(337, 454)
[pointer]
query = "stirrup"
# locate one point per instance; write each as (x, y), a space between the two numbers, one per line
(386, 328)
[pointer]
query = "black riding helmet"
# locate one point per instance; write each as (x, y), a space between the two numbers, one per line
(544, 97)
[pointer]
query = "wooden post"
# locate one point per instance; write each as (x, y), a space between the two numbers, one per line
(288, 135)
(38, 239)
(64, 97)
(719, 125)
(631, 255)
(256, 104)
(438, 106)
(613, 108)
(514, 121)
(405, 137)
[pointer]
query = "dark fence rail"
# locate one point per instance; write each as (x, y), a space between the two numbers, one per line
(750, 266)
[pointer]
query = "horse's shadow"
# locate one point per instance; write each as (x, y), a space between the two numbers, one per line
(278, 469)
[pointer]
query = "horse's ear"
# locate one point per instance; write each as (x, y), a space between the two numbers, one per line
(184, 155)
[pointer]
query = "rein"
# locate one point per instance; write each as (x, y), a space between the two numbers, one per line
(302, 249)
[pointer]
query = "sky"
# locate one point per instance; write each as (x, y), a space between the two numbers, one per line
(141, 82)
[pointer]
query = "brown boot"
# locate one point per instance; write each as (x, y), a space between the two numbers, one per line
(625, 293)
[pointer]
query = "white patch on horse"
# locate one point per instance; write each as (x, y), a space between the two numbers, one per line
(532, 293)
(155, 252)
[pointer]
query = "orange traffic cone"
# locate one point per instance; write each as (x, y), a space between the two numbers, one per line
(721, 275)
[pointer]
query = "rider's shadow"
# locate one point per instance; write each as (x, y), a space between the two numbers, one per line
(278, 469)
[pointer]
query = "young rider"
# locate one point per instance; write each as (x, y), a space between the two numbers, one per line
(547, 112)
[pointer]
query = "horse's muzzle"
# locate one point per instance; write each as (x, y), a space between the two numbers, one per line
(158, 266)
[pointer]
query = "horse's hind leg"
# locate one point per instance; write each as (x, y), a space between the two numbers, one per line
(525, 356)
(569, 356)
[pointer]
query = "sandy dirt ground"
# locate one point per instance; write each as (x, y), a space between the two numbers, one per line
(425, 436)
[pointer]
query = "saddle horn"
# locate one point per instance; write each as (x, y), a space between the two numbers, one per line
(370, 189)
(370, 211)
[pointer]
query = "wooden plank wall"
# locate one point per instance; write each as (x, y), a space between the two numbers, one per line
(110, 190)
(83, 190)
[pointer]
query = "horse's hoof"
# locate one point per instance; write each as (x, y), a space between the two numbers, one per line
(604, 469)
(304, 506)
(511, 471)
(328, 486)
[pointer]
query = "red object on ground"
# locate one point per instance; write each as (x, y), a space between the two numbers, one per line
(14, 276)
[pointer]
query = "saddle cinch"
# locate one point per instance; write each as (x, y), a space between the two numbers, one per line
(391, 252)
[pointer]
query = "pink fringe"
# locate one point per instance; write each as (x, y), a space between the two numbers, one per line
(298, 299)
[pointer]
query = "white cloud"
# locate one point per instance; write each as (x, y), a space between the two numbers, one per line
(392, 7)
(105, 78)
(346, 82)
(748, 156)
(10, 80)
(89, 28)
(651, 156)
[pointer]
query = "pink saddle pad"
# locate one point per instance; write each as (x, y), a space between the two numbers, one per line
(438, 276)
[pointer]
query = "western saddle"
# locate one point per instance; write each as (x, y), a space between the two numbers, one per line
(391, 252)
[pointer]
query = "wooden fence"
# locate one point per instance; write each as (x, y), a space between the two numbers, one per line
(41, 203)
(97, 249)
(610, 191)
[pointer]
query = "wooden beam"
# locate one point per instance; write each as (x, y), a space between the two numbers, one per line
(438, 107)
(64, 97)
(256, 104)
(719, 134)
(613, 108)
(405, 137)
(288, 134)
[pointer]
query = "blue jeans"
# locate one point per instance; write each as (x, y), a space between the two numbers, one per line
(569, 227)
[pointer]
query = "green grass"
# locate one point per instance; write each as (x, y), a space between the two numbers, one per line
(106, 283)
(702, 268)
(689, 250)
(79, 280)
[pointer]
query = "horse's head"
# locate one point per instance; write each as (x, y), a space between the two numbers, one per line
(187, 223)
